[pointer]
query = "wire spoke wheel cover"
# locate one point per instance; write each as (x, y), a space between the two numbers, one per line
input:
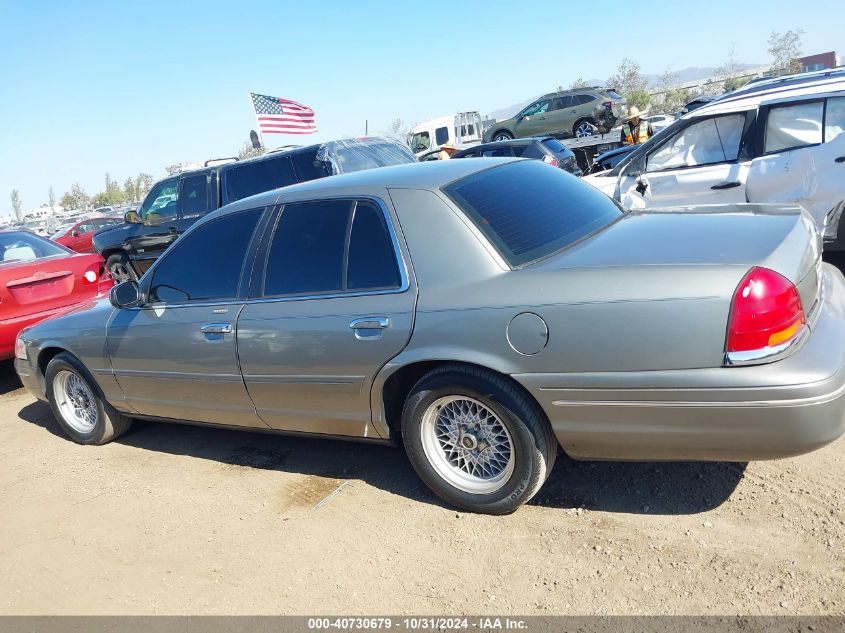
(467, 444)
(75, 401)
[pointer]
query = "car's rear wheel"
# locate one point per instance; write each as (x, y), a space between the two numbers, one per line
(477, 440)
(502, 135)
(583, 128)
(78, 404)
(120, 268)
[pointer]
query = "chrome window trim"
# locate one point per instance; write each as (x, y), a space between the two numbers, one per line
(404, 278)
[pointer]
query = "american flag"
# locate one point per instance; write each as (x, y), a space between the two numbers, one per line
(276, 115)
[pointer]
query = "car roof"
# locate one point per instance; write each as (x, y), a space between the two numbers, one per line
(428, 175)
(511, 141)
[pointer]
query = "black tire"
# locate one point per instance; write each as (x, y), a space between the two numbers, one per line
(501, 135)
(533, 444)
(110, 424)
(120, 268)
(579, 123)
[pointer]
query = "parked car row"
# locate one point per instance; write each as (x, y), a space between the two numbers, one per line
(470, 311)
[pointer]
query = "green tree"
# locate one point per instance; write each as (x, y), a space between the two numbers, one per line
(578, 84)
(785, 50)
(639, 99)
(672, 97)
(143, 184)
(129, 189)
(16, 204)
(248, 151)
(628, 80)
(75, 199)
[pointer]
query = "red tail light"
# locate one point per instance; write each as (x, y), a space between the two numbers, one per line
(608, 105)
(549, 160)
(766, 312)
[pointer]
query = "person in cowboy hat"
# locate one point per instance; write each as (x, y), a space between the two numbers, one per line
(446, 151)
(635, 130)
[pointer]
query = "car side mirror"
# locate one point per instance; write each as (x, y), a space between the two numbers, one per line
(131, 217)
(125, 295)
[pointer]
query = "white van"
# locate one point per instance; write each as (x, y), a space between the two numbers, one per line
(461, 130)
(778, 141)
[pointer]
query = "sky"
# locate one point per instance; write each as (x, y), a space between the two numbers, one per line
(128, 87)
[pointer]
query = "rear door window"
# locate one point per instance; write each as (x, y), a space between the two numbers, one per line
(252, 177)
(194, 195)
(530, 150)
(793, 126)
(306, 254)
(499, 152)
(331, 246)
(529, 211)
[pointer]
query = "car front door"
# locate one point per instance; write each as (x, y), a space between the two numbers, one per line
(803, 156)
(80, 237)
(176, 356)
(532, 120)
(157, 230)
(333, 303)
(701, 164)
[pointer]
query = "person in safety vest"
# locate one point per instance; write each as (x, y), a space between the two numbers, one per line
(635, 130)
(446, 151)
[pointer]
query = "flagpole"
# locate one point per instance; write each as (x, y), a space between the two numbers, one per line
(257, 122)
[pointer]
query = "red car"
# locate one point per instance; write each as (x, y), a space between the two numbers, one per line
(78, 237)
(39, 279)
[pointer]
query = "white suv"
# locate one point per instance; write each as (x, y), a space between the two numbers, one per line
(778, 141)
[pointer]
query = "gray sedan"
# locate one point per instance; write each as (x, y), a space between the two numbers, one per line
(481, 313)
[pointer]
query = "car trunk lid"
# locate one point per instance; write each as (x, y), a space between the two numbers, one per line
(782, 238)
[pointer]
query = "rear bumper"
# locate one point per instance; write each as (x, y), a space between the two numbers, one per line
(789, 407)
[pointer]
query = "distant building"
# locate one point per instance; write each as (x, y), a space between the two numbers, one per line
(820, 61)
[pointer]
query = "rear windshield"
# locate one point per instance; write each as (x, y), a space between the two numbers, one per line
(555, 145)
(26, 247)
(529, 211)
(348, 156)
(613, 94)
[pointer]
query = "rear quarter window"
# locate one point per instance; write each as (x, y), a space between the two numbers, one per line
(250, 178)
(529, 211)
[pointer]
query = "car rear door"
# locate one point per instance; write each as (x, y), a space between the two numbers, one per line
(701, 163)
(79, 239)
(802, 155)
(333, 302)
(176, 355)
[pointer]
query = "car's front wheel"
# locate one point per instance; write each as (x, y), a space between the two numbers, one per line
(476, 440)
(120, 268)
(78, 405)
(502, 135)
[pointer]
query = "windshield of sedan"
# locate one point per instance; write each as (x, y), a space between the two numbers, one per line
(528, 210)
(26, 247)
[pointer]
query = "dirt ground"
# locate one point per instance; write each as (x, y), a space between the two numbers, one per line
(175, 519)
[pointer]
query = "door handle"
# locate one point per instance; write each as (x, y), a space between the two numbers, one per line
(841, 159)
(370, 323)
(217, 328)
(173, 230)
(726, 185)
